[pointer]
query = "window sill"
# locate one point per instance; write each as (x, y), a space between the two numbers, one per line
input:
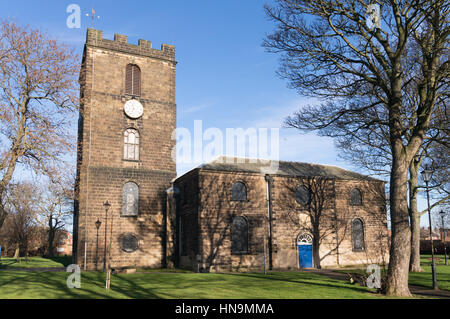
(130, 160)
(132, 96)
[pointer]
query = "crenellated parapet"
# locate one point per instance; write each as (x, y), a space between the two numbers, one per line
(120, 43)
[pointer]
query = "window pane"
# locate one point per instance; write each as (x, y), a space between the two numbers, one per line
(239, 191)
(130, 199)
(130, 151)
(239, 236)
(356, 197)
(358, 234)
(131, 144)
(131, 137)
(302, 195)
(136, 152)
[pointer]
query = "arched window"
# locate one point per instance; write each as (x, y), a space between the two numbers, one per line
(356, 197)
(130, 199)
(239, 192)
(131, 144)
(302, 195)
(304, 239)
(239, 236)
(133, 80)
(358, 235)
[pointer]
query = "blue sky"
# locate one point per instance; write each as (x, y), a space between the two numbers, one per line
(224, 77)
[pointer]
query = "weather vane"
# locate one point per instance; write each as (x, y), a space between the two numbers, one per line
(92, 15)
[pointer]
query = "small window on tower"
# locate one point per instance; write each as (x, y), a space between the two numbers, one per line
(130, 199)
(133, 80)
(131, 145)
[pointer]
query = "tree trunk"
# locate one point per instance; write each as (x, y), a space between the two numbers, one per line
(397, 280)
(414, 264)
(316, 251)
(2, 211)
(17, 253)
(51, 238)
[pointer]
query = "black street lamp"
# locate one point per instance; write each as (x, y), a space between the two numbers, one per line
(442, 213)
(98, 223)
(427, 173)
(107, 205)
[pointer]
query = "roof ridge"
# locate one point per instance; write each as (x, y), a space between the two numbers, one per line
(288, 168)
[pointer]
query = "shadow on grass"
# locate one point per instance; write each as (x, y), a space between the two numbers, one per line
(330, 283)
(50, 285)
(36, 285)
(129, 287)
(64, 260)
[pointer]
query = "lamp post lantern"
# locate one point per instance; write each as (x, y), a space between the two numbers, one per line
(427, 173)
(98, 223)
(107, 205)
(442, 213)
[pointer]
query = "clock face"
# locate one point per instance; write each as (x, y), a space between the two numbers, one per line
(133, 109)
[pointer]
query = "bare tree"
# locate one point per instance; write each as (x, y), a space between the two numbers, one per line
(55, 210)
(330, 51)
(369, 149)
(38, 93)
(21, 204)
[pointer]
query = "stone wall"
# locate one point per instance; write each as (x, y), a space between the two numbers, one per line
(289, 219)
(101, 168)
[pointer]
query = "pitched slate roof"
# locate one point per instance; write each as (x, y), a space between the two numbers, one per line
(234, 164)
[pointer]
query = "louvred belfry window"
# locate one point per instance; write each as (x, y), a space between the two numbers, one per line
(133, 80)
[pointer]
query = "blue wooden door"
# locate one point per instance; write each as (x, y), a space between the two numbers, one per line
(305, 256)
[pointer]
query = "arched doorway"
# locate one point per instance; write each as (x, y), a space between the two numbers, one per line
(305, 251)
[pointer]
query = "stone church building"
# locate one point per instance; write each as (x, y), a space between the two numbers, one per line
(132, 210)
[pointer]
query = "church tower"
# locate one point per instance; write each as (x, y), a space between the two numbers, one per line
(127, 117)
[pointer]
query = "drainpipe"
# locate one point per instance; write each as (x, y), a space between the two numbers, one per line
(269, 216)
(336, 223)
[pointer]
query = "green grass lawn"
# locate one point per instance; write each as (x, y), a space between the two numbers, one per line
(36, 262)
(279, 285)
(187, 285)
(424, 279)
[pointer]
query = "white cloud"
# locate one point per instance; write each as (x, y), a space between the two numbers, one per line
(196, 108)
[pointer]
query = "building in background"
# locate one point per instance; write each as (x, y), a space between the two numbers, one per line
(64, 243)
